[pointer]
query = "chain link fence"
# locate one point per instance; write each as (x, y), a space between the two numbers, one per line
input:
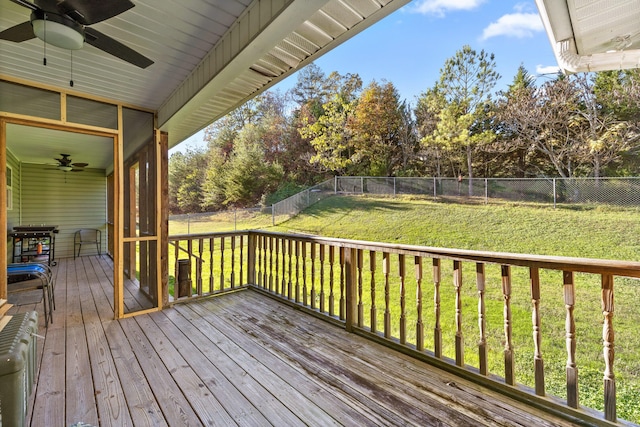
(614, 191)
(229, 220)
(554, 191)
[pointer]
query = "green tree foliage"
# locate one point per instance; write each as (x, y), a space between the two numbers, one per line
(327, 130)
(378, 130)
(186, 179)
(466, 83)
(580, 125)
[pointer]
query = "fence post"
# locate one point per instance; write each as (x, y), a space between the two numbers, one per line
(435, 188)
(235, 220)
(486, 191)
(335, 184)
(362, 184)
(251, 258)
(273, 214)
(394, 186)
(554, 193)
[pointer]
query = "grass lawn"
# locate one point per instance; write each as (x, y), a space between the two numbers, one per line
(590, 232)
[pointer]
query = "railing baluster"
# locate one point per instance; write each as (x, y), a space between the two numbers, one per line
(608, 351)
(509, 361)
(360, 303)
(437, 329)
(289, 283)
(265, 267)
(233, 262)
(297, 287)
(211, 245)
(457, 283)
(271, 239)
(259, 260)
(277, 278)
(199, 267)
(322, 305)
(386, 269)
(304, 273)
(570, 328)
(419, 325)
(332, 250)
(313, 276)
(241, 259)
(189, 256)
(372, 268)
(403, 310)
(538, 362)
(222, 263)
(342, 284)
(482, 319)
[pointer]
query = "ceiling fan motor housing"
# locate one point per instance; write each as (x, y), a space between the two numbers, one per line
(57, 30)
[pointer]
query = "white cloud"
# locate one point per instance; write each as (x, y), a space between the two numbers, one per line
(519, 25)
(440, 7)
(547, 69)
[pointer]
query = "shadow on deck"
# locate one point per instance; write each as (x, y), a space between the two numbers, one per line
(237, 359)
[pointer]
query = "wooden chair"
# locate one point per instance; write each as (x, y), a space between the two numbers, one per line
(86, 235)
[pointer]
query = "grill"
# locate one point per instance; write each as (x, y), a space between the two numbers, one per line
(18, 365)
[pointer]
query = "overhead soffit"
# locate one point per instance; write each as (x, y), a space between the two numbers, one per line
(593, 35)
(186, 84)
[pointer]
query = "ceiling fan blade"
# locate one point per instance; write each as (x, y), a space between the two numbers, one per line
(80, 165)
(25, 3)
(18, 33)
(89, 12)
(115, 48)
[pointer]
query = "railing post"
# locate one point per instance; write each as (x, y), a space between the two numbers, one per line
(351, 281)
(251, 258)
(608, 341)
(570, 329)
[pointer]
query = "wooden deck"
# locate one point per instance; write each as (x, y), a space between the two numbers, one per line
(237, 359)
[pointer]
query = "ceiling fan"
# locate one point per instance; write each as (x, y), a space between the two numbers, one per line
(65, 24)
(65, 164)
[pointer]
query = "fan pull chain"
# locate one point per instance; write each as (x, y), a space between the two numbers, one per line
(44, 60)
(71, 81)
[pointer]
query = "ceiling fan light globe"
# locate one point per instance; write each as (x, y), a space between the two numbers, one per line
(65, 168)
(67, 35)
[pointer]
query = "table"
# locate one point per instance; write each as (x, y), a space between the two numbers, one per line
(27, 239)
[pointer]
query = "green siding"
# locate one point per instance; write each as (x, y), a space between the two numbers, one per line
(70, 200)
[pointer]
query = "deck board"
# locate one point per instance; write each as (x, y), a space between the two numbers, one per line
(238, 359)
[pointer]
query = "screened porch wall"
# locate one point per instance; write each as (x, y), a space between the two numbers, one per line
(70, 200)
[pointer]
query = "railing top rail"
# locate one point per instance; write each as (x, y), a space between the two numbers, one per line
(195, 236)
(560, 263)
(583, 265)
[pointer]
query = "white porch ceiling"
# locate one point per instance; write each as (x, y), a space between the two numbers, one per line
(209, 55)
(593, 35)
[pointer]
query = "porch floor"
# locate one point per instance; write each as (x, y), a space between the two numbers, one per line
(237, 359)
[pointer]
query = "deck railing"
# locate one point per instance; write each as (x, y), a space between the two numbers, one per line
(402, 296)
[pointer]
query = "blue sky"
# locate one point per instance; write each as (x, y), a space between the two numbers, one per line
(409, 47)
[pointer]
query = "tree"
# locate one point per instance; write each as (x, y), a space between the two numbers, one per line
(466, 82)
(328, 132)
(377, 126)
(186, 177)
